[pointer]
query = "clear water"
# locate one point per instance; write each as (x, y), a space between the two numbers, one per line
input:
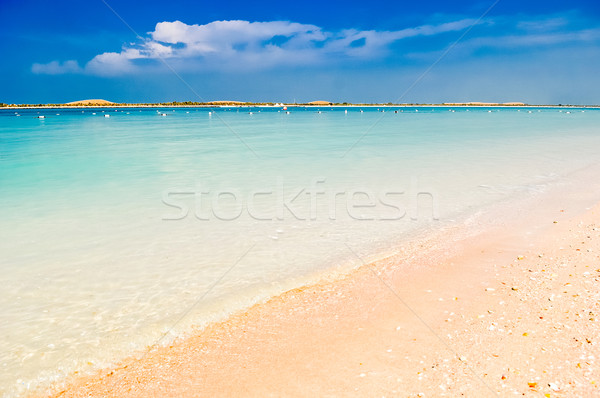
(117, 231)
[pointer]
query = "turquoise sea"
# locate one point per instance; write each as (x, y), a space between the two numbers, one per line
(120, 232)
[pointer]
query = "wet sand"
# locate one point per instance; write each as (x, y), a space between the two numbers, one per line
(509, 311)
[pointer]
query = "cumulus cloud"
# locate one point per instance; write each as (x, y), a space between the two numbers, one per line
(244, 44)
(236, 45)
(114, 63)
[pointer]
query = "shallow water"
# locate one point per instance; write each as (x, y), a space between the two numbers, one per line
(118, 231)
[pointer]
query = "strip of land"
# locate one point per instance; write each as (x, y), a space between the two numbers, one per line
(101, 103)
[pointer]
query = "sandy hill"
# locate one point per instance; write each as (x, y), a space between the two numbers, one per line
(319, 103)
(91, 102)
(225, 102)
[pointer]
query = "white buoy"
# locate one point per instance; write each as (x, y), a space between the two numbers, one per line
(106, 115)
(346, 111)
(163, 114)
(41, 117)
(93, 113)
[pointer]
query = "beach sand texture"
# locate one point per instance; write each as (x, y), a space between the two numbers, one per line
(506, 312)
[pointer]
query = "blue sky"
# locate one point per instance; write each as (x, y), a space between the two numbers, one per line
(532, 51)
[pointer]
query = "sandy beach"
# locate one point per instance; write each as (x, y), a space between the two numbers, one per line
(510, 310)
(284, 199)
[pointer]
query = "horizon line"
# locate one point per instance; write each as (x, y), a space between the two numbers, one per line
(187, 104)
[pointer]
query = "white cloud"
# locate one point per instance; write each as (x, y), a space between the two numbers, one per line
(537, 40)
(542, 25)
(247, 45)
(56, 67)
(509, 34)
(114, 63)
(226, 33)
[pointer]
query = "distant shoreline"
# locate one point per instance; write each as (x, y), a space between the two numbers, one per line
(268, 105)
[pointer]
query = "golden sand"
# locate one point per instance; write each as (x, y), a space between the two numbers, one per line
(226, 102)
(90, 102)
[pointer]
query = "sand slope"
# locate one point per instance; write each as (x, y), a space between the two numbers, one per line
(319, 103)
(90, 102)
(502, 313)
